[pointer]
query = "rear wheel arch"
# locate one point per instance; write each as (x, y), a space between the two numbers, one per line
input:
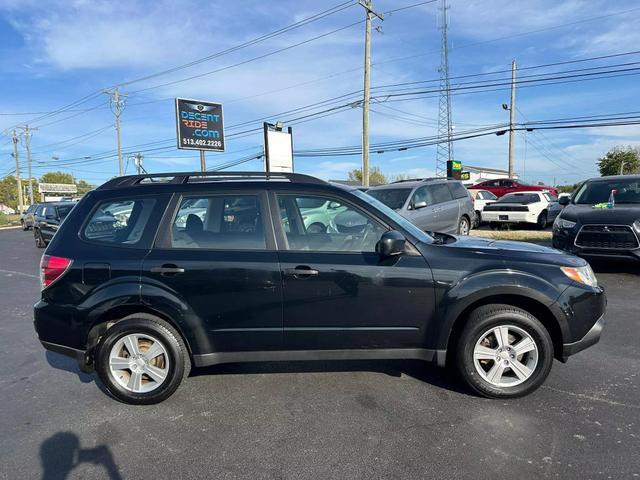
(124, 312)
(534, 307)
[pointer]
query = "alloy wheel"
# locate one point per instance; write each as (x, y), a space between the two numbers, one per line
(139, 363)
(505, 356)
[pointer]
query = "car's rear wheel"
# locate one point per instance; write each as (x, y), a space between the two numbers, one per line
(478, 219)
(542, 220)
(504, 352)
(40, 243)
(24, 225)
(142, 360)
(464, 226)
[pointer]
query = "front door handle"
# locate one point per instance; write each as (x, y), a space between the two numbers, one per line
(301, 271)
(167, 270)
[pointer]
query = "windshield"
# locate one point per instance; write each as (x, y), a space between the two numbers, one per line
(393, 198)
(590, 193)
(400, 220)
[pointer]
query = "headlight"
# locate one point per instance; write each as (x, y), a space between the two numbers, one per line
(563, 223)
(583, 275)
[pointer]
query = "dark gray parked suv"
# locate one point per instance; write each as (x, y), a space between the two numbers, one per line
(432, 204)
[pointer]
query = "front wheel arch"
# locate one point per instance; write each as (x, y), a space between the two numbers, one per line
(537, 309)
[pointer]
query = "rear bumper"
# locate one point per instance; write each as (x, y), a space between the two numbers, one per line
(512, 217)
(590, 338)
(79, 356)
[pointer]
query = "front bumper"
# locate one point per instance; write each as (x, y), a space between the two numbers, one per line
(590, 338)
(564, 239)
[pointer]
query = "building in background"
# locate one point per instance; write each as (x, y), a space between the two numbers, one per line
(480, 174)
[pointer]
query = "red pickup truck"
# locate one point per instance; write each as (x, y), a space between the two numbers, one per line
(502, 186)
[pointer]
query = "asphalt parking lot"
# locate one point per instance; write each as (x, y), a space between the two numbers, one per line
(320, 419)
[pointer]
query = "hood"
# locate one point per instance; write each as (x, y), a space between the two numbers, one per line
(512, 251)
(620, 214)
(490, 244)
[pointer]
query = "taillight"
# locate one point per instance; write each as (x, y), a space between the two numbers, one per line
(52, 268)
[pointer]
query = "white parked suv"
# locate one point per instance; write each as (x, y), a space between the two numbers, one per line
(538, 208)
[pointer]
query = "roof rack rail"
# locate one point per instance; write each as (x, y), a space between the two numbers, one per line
(191, 177)
(427, 179)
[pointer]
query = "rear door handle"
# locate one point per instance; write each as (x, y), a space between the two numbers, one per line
(167, 270)
(301, 271)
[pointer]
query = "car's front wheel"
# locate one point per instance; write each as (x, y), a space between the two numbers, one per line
(504, 352)
(24, 225)
(142, 360)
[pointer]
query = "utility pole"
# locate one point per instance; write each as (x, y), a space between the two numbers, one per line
(203, 162)
(512, 118)
(117, 103)
(15, 155)
(27, 142)
(367, 93)
(444, 150)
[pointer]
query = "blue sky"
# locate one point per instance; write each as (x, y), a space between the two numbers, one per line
(55, 52)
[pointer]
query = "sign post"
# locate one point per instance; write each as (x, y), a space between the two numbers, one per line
(199, 126)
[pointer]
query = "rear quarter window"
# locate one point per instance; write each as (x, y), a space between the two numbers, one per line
(119, 221)
(458, 190)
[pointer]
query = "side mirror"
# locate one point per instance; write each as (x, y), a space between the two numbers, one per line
(564, 201)
(334, 205)
(391, 243)
(419, 205)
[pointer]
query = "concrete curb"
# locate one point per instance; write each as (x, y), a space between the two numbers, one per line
(11, 228)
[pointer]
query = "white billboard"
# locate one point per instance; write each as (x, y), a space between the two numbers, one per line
(278, 151)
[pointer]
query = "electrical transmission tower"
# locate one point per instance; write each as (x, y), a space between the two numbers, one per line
(444, 149)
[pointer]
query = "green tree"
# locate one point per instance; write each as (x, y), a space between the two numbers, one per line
(83, 187)
(57, 177)
(9, 191)
(376, 177)
(627, 157)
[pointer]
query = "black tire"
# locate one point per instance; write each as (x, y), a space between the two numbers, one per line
(464, 226)
(316, 228)
(542, 221)
(494, 225)
(40, 243)
(24, 226)
(478, 220)
(179, 360)
(482, 320)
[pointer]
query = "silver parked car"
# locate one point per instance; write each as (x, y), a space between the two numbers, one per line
(432, 204)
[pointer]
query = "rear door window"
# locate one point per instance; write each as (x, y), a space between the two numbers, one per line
(220, 222)
(120, 221)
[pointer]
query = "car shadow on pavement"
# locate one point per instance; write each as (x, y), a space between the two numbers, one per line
(67, 364)
(421, 371)
(61, 453)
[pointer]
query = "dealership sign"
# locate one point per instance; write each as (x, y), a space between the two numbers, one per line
(199, 125)
(57, 188)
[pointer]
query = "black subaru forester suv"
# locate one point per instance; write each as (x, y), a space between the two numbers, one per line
(150, 275)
